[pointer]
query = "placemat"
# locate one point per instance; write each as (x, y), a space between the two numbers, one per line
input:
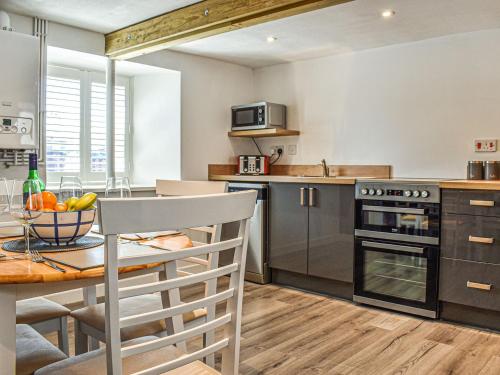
(93, 258)
(19, 246)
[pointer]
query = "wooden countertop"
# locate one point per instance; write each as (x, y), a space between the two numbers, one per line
(290, 179)
(470, 184)
(23, 271)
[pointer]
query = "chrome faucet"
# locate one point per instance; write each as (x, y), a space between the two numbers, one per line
(326, 170)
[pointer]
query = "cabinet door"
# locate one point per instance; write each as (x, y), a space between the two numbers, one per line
(288, 228)
(331, 232)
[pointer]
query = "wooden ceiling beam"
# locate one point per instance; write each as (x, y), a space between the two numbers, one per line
(200, 20)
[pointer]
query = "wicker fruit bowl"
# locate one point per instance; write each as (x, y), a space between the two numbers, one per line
(63, 228)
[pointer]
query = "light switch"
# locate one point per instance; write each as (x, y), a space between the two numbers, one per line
(291, 150)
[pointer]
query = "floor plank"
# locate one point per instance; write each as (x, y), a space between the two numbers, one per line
(286, 331)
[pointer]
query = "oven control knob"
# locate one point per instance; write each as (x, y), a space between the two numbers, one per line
(424, 194)
(364, 191)
(408, 193)
(380, 192)
(371, 191)
(416, 193)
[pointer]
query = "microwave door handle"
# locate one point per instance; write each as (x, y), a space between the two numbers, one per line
(389, 246)
(398, 210)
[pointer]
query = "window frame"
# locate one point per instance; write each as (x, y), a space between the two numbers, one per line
(86, 78)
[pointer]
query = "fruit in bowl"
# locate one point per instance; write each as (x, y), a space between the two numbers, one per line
(62, 223)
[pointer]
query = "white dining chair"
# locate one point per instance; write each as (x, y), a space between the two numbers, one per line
(169, 355)
(45, 316)
(90, 320)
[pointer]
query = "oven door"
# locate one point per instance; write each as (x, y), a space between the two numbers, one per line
(396, 276)
(245, 118)
(399, 221)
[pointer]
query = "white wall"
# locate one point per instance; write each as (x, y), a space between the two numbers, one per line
(208, 89)
(416, 106)
(156, 128)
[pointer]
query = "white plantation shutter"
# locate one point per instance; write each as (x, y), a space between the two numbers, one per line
(63, 125)
(76, 125)
(98, 128)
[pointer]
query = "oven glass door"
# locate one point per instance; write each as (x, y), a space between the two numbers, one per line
(245, 117)
(396, 273)
(413, 219)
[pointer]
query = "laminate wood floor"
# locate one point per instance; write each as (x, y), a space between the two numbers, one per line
(286, 331)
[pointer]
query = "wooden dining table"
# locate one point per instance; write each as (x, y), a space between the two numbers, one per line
(22, 279)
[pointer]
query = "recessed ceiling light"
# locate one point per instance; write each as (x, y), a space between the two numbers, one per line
(271, 39)
(388, 13)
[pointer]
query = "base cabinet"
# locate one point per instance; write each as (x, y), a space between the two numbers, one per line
(470, 257)
(288, 228)
(312, 230)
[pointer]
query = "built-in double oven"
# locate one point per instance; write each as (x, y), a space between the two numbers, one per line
(397, 246)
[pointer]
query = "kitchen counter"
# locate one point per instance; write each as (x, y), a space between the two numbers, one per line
(291, 179)
(470, 185)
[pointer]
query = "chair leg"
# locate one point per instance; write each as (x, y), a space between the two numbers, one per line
(81, 340)
(94, 344)
(62, 335)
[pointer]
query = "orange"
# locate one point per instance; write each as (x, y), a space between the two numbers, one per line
(61, 207)
(49, 199)
(47, 210)
(34, 202)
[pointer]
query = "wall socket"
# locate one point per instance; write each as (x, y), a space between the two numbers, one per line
(485, 145)
(274, 149)
(291, 149)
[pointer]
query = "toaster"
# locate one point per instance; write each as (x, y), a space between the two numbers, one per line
(253, 165)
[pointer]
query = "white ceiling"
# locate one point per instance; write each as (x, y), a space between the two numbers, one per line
(344, 28)
(102, 16)
(349, 27)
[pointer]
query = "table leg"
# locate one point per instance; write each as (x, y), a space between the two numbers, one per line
(90, 298)
(8, 329)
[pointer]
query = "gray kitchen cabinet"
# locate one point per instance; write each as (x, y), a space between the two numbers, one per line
(331, 228)
(470, 249)
(288, 228)
(317, 237)
(470, 283)
(471, 237)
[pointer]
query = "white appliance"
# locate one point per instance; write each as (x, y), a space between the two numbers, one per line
(19, 67)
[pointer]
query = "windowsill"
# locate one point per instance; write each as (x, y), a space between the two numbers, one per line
(102, 188)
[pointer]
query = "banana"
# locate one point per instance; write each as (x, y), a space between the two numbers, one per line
(71, 202)
(85, 202)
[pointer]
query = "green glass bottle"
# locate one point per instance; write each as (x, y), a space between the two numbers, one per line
(33, 182)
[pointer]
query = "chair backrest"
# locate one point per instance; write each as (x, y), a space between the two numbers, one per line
(136, 215)
(177, 188)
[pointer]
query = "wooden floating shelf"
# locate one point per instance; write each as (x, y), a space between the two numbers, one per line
(262, 133)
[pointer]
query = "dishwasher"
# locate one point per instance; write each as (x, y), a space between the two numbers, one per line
(257, 269)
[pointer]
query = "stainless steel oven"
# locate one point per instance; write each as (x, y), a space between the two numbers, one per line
(401, 221)
(396, 276)
(396, 260)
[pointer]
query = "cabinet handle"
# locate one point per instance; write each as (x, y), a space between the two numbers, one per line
(484, 240)
(302, 196)
(473, 202)
(312, 197)
(481, 286)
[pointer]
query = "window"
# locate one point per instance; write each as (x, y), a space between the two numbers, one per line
(76, 125)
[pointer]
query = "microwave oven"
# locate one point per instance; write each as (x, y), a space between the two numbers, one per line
(261, 115)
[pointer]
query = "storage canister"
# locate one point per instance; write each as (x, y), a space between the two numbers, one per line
(492, 170)
(475, 170)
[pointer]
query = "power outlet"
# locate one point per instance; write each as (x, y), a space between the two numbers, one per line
(485, 145)
(274, 149)
(291, 149)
